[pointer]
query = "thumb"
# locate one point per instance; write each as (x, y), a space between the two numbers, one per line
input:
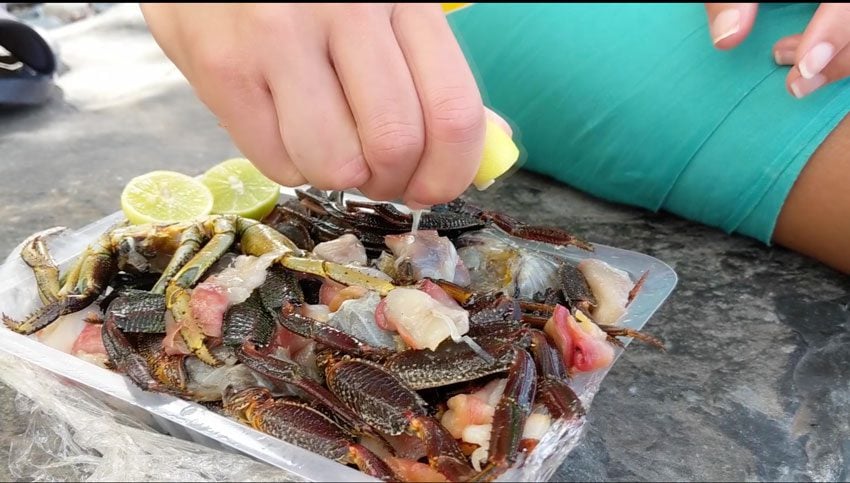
(730, 23)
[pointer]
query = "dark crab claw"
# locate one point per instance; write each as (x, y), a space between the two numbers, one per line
(545, 234)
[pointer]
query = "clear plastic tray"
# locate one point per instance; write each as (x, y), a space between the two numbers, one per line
(191, 421)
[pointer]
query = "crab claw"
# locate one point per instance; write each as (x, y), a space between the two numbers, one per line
(35, 253)
(85, 282)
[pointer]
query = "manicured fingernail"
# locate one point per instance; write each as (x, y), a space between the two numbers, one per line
(816, 59)
(803, 87)
(725, 24)
(784, 57)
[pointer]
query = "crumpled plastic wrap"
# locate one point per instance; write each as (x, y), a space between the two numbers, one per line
(72, 436)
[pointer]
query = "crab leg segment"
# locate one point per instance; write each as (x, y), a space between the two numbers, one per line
(336, 272)
(127, 360)
(329, 336)
(510, 416)
(385, 403)
(301, 425)
(191, 241)
(290, 373)
(552, 388)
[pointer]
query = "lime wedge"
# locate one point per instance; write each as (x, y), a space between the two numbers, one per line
(239, 188)
(164, 197)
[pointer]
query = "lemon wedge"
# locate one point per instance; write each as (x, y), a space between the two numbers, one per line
(500, 154)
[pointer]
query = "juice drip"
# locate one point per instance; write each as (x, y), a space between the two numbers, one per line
(417, 216)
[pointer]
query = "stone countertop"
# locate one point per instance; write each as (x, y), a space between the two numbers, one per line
(755, 384)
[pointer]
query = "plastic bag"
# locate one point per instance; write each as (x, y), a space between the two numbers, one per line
(72, 436)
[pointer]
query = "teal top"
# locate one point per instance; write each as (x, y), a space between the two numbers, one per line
(632, 103)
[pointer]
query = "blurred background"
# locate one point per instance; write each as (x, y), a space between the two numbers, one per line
(51, 15)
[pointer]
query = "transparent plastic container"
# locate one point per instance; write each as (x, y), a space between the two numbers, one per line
(191, 421)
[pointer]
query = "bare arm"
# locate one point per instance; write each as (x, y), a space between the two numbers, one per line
(816, 217)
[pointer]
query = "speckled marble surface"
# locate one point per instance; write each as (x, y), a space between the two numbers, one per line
(755, 384)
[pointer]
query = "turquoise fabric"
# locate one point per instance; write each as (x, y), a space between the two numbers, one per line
(632, 103)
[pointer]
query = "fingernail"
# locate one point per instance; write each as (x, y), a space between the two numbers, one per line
(500, 121)
(803, 87)
(784, 57)
(816, 59)
(725, 24)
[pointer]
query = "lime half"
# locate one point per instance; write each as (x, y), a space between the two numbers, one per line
(238, 187)
(164, 197)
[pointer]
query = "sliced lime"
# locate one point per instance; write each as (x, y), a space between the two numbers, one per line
(164, 197)
(238, 187)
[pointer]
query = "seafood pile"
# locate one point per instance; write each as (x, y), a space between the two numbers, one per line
(437, 352)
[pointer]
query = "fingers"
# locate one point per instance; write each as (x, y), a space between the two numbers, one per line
(254, 131)
(245, 108)
(452, 108)
(785, 50)
(825, 36)
(801, 87)
(730, 23)
(380, 90)
(822, 55)
(225, 80)
(376, 97)
(315, 122)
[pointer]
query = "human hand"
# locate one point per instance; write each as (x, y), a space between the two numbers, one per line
(371, 96)
(818, 54)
